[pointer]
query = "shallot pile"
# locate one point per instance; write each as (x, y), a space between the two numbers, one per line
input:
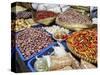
(32, 40)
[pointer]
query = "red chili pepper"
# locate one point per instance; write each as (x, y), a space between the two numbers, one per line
(65, 36)
(44, 14)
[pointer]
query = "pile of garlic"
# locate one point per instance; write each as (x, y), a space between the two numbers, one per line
(54, 29)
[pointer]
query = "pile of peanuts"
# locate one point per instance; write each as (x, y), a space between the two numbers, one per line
(21, 24)
(32, 40)
(22, 20)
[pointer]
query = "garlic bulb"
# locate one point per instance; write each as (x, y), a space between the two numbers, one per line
(53, 29)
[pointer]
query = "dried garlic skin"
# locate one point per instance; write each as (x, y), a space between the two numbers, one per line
(41, 65)
(59, 62)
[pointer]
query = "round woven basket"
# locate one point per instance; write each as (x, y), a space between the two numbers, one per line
(80, 56)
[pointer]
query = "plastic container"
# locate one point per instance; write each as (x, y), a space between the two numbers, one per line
(31, 62)
(41, 52)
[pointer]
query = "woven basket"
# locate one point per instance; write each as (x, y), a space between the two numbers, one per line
(80, 56)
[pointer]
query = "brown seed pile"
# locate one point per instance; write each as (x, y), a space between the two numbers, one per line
(24, 15)
(71, 16)
(32, 40)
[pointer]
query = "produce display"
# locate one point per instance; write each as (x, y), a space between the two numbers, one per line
(73, 20)
(53, 63)
(50, 37)
(58, 32)
(32, 40)
(84, 44)
(44, 14)
(60, 36)
(21, 24)
(24, 14)
(22, 20)
(45, 17)
(50, 63)
(55, 29)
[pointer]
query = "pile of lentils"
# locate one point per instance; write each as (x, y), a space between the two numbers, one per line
(32, 40)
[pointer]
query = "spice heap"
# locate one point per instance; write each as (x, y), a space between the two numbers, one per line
(44, 14)
(73, 20)
(45, 17)
(84, 44)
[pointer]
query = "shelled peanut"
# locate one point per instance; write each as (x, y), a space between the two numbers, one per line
(21, 24)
